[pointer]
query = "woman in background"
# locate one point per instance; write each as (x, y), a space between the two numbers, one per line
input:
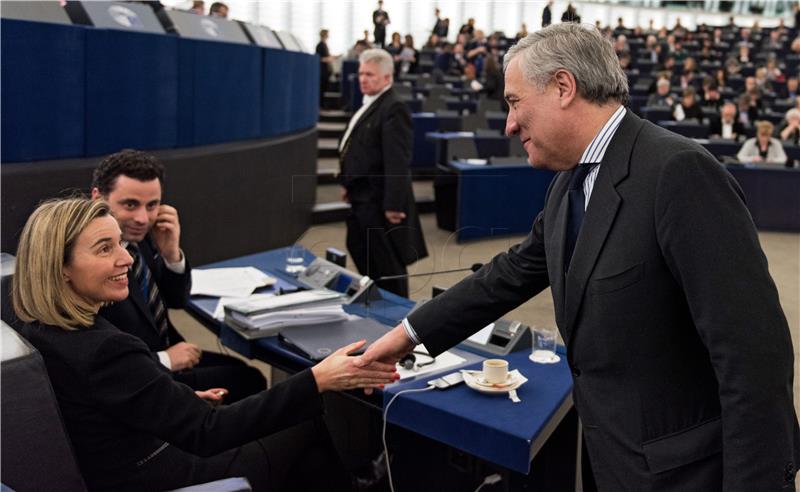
(763, 149)
(131, 425)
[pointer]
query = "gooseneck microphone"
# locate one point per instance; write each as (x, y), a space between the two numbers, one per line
(368, 291)
(474, 268)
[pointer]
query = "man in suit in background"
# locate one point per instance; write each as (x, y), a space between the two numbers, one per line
(383, 230)
(160, 278)
(380, 18)
(681, 356)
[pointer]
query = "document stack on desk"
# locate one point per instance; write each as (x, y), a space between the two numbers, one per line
(265, 316)
(229, 282)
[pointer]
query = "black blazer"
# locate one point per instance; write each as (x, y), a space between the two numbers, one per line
(375, 169)
(133, 316)
(120, 406)
(715, 128)
(680, 352)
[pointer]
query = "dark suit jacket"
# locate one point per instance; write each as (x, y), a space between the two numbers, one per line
(133, 316)
(375, 169)
(680, 352)
(120, 406)
(715, 128)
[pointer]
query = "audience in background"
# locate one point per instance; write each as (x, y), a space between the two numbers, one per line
(763, 149)
(687, 108)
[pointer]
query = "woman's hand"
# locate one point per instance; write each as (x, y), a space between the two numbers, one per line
(337, 372)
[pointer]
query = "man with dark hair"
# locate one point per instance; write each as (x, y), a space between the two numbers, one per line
(160, 278)
(218, 9)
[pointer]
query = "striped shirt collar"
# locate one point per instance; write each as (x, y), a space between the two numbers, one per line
(596, 150)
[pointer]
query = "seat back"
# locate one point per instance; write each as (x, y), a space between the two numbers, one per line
(36, 451)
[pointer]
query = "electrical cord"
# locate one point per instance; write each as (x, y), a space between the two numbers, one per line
(383, 434)
(489, 480)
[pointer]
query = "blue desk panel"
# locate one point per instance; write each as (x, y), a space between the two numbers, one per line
(484, 211)
(424, 155)
(43, 90)
(132, 88)
(226, 91)
(458, 416)
(772, 194)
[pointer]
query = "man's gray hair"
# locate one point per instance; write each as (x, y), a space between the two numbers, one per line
(577, 48)
(379, 57)
(793, 113)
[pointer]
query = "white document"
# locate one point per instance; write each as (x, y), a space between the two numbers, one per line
(443, 361)
(219, 312)
(229, 282)
(482, 336)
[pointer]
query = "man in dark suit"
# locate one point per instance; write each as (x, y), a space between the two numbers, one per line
(681, 356)
(380, 19)
(130, 181)
(383, 229)
(726, 125)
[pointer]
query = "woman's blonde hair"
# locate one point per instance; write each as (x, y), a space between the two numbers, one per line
(764, 128)
(40, 291)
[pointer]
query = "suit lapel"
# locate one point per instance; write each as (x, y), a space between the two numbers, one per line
(604, 204)
(555, 256)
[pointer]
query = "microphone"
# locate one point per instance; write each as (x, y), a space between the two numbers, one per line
(367, 291)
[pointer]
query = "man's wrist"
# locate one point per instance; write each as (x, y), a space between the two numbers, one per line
(179, 266)
(412, 335)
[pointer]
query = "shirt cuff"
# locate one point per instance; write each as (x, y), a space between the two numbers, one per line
(410, 332)
(163, 357)
(177, 267)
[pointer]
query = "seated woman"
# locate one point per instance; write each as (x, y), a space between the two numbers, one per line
(131, 425)
(790, 131)
(763, 148)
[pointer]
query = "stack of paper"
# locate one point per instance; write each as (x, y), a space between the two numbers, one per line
(229, 282)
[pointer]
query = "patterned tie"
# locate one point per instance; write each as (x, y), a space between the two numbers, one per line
(577, 209)
(149, 289)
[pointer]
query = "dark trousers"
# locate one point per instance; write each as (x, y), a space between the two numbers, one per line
(223, 371)
(300, 458)
(380, 36)
(370, 248)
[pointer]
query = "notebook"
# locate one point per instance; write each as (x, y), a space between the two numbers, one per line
(319, 341)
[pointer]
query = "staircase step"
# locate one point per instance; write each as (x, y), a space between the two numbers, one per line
(327, 147)
(331, 129)
(334, 115)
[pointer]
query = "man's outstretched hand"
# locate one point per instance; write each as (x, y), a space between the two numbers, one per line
(390, 348)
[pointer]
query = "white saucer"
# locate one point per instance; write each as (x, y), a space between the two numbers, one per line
(544, 357)
(474, 379)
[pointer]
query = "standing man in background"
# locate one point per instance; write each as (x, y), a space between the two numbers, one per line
(160, 278)
(680, 353)
(325, 60)
(547, 14)
(381, 19)
(442, 26)
(384, 234)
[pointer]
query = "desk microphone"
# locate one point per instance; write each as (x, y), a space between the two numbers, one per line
(367, 292)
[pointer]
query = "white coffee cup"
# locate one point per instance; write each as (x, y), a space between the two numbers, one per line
(495, 371)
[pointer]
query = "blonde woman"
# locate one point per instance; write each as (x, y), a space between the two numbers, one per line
(763, 149)
(131, 425)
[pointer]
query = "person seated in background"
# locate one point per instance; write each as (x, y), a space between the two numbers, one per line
(358, 48)
(687, 108)
(790, 90)
(662, 97)
(712, 98)
(408, 56)
(790, 131)
(131, 182)
(763, 149)
(726, 126)
(748, 108)
(218, 9)
(131, 425)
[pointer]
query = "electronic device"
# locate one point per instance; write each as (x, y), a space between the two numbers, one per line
(336, 257)
(505, 337)
(447, 381)
(412, 360)
(324, 274)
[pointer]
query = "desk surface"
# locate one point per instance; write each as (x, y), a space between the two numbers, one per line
(510, 439)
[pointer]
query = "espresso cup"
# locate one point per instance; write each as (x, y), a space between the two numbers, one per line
(495, 371)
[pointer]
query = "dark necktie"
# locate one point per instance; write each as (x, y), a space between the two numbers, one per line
(577, 209)
(149, 289)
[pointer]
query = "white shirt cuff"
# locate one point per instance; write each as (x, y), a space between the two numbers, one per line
(410, 332)
(177, 267)
(163, 357)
